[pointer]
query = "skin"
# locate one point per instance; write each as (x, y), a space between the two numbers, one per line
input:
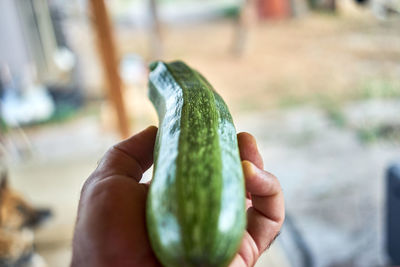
(111, 228)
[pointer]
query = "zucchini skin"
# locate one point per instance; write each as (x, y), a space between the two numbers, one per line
(196, 204)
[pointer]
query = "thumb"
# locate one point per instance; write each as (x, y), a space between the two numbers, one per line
(130, 157)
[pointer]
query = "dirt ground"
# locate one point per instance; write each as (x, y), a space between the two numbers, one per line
(313, 59)
(318, 92)
(288, 62)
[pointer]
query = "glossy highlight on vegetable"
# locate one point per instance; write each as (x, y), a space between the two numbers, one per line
(196, 203)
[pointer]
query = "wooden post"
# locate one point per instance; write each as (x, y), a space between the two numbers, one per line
(155, 40)
(242, 27)
(105, 38)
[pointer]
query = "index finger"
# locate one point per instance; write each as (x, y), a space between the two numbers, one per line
(248, 149)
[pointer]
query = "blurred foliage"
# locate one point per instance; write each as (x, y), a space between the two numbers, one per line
(305, 137)
(312, 3)
(373, 133)
(330, 105)
(333, 109)
(380, 88)
(3, 125)
(66, 113)
(230, 11)
(63, 113)
(291, 100)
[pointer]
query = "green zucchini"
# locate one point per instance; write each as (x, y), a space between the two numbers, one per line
(196, 204)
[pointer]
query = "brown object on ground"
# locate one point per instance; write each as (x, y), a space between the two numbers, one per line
(106, 45)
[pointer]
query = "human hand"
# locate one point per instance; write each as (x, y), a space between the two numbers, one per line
(111, 228)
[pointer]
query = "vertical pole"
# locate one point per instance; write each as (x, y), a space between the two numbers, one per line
(242, 27)
(155, 40)
(106, 45)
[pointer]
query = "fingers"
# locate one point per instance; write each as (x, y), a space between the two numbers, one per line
(247, 254)
(260, 182)
(266, 215)
(248, 149)
(130, 157)
(140, 146)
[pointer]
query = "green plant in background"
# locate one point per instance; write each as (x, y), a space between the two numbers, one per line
(337, 116)
(304, 138)
(332, 108)
(3, 126)
(230, 11)
(63, 113)
(368, 134)
(287, 91)
(290, 101)
(312, 4)
(380, 88)
(373, 133)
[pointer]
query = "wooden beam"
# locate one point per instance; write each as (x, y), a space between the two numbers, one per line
(105, 38)
(155, 39)
(243, 24)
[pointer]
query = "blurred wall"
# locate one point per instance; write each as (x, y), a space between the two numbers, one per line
(12, 49)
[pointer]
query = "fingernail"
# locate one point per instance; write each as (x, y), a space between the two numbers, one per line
(248, 167)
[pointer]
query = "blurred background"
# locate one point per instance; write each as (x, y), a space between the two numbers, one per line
(315, 81)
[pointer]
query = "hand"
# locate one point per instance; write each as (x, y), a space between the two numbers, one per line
(111, 229)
